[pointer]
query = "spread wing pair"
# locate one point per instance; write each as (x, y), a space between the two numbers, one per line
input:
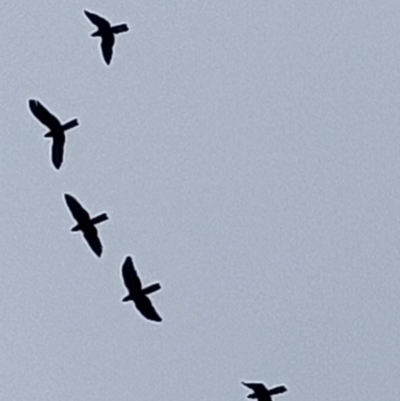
(137, 294)
(262, 393)
(56, 130)
(86, 224)
(106, 32)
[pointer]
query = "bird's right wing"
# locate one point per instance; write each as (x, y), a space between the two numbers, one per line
(92, 237)
(43, 115)
(107, 43)
(130, 276)
(146, 308)
(277, 390)
(78, 212)
(95, 19)
(57, 151)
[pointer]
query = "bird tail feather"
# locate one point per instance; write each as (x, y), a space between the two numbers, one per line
(71, 124)
(100, 218)
(152, 288)
(277, 390)
(120, 28)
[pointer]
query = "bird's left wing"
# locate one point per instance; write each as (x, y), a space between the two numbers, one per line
(78, 212)
(130, 276)
(255, 386)
(95, 19)
(43, 115)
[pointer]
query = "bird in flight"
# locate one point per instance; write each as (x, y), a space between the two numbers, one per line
(86, 224)
(106, 32)
(137, 293)
(57, 130)
(262, 393)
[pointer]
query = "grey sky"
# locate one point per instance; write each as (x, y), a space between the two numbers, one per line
(247, 153)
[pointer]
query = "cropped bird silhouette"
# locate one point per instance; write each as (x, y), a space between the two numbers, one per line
(107, 33)
(137, 294)
(262, 393)
(86, 224)
(57, 130)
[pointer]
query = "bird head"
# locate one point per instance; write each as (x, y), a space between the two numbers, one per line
(127, 298)
(76, 228)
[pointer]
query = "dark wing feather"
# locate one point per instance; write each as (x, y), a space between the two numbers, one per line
(130, 276)
(43, 115)
(146, 308)
(107, 43)
(92, 237)
(95, 19)
(277, 390)
(78, 212)
(255, 386)
(57, 150)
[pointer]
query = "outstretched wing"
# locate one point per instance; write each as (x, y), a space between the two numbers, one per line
(260, 391)
(92, 237)
(255, 386)
(43, 115)
(107, 43)
(277, 390)
(95, 19)
(77, 211)
(146, 308)
(130, 276)
(57, 150)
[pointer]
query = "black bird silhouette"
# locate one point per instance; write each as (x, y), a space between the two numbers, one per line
(86, 224)
(57, 130)
(106, 32)
(262, 393)
(137, 294)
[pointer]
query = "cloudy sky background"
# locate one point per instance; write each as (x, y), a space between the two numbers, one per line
(247, 153)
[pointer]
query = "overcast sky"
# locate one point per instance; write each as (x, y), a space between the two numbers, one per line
(248, 156)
